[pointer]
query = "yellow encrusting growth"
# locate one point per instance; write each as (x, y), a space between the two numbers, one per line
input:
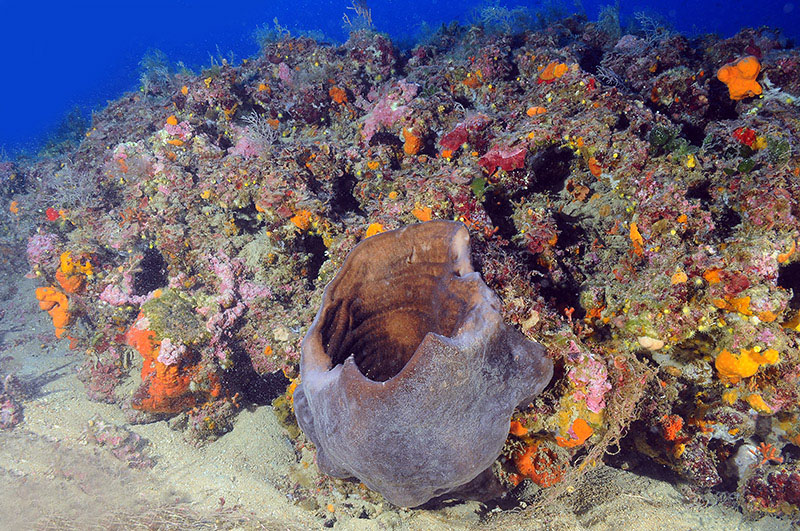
(731, 368)
(757, 402)
(373, 229)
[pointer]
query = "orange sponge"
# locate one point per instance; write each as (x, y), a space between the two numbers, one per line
(580, 432)
(539, 464)
(55, 302)
(412, 142)
(731, 368)
(551, 72)
(166, 387)
(70, 283)
(71, 274)
(741, 78)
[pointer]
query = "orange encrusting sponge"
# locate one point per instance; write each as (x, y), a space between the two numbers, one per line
(731, 368)
(166, 386)
(581, 431)
(539, 464)
(740, 77)
(55, 302)
(71, 274)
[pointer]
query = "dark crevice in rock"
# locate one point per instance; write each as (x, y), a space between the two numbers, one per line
(551, 168)
(314, 245)
(789, 278)
(343, 201)
(152, 273)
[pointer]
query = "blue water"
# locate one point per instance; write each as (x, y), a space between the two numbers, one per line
(58, 55)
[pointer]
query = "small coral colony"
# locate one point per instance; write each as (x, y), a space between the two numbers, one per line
(629, 202)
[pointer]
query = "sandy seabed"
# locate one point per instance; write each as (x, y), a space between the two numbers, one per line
(52, 478)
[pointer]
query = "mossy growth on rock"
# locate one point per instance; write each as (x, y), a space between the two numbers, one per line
(173, 315)
(284, 411)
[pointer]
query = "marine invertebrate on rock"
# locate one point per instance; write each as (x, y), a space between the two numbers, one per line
(731, 368)
(551, 72)
(740, 77)
(538, 463)
(390, 106)
(70, 266)
(578, 433)
(589, 378)
(165, 388)
(695, 461)
(301, 219)
(408, 374)
(771, 490)
(338, 94)
(671, 426)
(10, 412)
(506, 158)
(467, 131)
(373, 229)
(41, 249)
(70, 283)
(55, 302)
(71, 274)
(767, 452)
(412, 142)
(422, 213)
